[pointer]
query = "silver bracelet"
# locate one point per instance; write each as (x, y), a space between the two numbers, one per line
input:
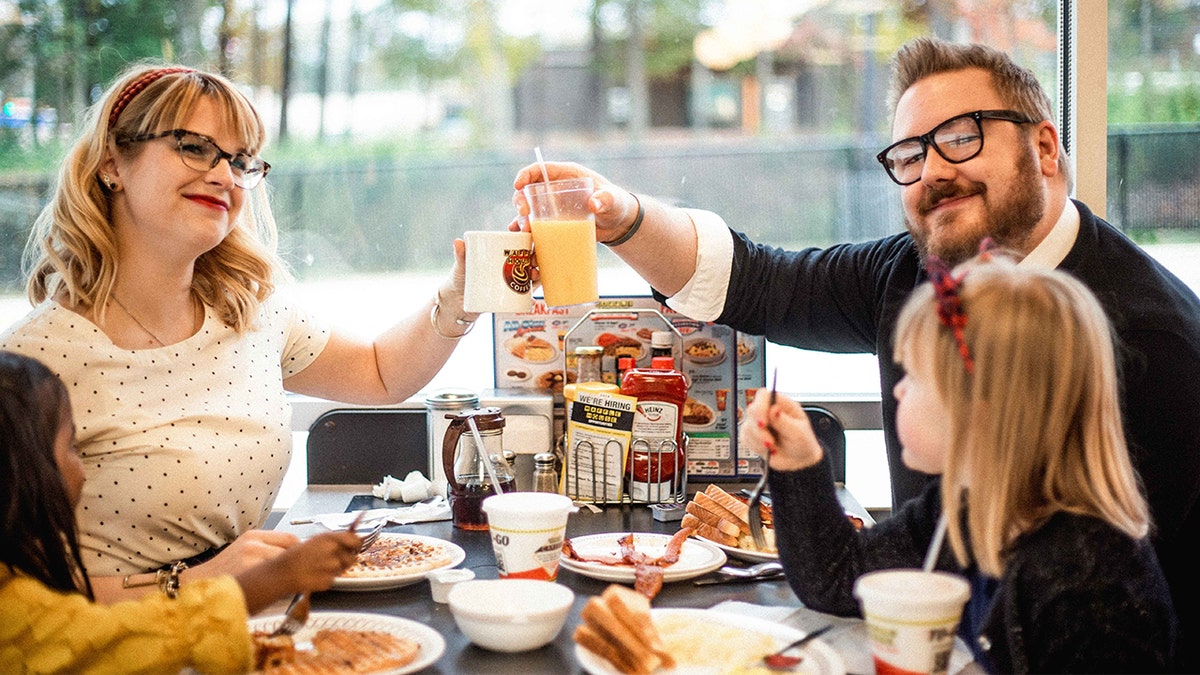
(433, 320)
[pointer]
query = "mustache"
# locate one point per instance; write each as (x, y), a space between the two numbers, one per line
(938, 194)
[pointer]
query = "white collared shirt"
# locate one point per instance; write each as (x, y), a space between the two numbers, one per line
(703, 296)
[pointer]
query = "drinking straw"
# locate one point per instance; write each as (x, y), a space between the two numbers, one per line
(537, 152)
(935, 546)
(487, 460)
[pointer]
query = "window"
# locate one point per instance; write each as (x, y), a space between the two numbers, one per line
(404, 127)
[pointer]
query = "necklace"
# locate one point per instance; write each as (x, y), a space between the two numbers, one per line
(137, 321)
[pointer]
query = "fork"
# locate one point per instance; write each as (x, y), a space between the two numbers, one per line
(297, 612)
(295, 617)
(755, 513)
(370, 537)
(778, 661)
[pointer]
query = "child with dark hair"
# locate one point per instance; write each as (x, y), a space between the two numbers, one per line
(49, 621)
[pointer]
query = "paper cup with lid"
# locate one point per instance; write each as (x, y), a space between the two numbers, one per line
(911, 616)
(527, 530)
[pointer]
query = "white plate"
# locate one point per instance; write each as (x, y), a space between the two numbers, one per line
(696, 558)
(819, 657)
(740, 553)
(384, 582)
(712, 420)
(513, 342)
(704, 360)
(750, 355)
(432, 643)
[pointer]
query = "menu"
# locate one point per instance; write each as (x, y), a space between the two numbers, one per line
(723, 367)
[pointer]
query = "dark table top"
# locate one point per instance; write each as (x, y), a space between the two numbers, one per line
(414, 602)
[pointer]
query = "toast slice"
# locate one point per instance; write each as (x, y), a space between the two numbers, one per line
(709, 503)
(709, 532)
(638, 655)
(592, 640)
(633, 610)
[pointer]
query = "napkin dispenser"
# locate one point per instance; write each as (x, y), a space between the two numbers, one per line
(528, 426)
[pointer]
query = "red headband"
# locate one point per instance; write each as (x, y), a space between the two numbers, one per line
(949, 305)
(134, 88)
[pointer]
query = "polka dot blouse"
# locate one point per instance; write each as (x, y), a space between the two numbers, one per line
(185, 446)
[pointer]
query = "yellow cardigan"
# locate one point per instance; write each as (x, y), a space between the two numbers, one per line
(43, 630)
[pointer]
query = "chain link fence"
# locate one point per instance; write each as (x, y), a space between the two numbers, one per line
(400, 213)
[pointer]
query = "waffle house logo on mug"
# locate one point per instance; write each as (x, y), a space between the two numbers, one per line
(517, 264)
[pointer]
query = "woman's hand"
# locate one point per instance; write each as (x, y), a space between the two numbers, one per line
(780, 432)
(615, 208)
(450, 294)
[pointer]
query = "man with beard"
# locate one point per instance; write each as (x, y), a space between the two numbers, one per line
(978, 155)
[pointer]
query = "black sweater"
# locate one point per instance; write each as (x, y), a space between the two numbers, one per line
(1077, 595)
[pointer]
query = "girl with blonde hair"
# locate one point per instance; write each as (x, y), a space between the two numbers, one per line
(1010, 396)
(157, 300)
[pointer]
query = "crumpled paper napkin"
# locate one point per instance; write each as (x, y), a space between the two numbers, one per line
(413, 488)
(434, 508)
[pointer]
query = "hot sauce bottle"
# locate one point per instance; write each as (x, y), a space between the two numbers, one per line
(656, 455)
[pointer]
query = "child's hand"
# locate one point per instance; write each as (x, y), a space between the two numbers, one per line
(251, 548)
(313, 564)
(781, 432)
(307, 566)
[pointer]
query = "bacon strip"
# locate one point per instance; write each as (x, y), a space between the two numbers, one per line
(647, 579)
(671, 554)
(647, 571)
(602, 559)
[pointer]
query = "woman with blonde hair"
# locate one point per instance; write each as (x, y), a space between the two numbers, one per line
(157, 301)
(1010, 395)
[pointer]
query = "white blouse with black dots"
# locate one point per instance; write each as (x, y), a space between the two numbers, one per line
(184, 447)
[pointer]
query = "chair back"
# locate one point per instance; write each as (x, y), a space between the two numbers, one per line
(831, 434)
(362, 445)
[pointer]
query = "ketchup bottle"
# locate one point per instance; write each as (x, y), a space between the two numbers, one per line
(656, 455)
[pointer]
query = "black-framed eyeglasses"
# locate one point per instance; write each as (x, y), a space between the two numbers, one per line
(957, 139)
(201, 153)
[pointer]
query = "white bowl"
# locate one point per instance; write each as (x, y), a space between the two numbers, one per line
(510, 615)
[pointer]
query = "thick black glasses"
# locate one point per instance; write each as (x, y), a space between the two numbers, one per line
(957, 139)
(199, 152)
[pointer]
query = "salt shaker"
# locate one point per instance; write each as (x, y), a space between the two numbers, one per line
(545, 478)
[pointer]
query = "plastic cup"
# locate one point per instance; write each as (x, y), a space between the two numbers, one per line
(564, 239)
(912, 617)
(499, 266)
(527, 530)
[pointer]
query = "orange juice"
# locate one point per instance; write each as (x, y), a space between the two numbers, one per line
(566, 256)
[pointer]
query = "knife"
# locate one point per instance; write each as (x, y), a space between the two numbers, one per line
(368, 515)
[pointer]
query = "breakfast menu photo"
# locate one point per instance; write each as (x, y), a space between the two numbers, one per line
(535, 349)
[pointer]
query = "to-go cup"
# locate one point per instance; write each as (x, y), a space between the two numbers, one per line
(912, 617)
(527, 530)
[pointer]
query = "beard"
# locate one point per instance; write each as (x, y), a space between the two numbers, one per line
(1011, 213)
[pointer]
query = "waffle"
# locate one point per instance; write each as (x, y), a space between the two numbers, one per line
(336, 651)
(393, 555)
